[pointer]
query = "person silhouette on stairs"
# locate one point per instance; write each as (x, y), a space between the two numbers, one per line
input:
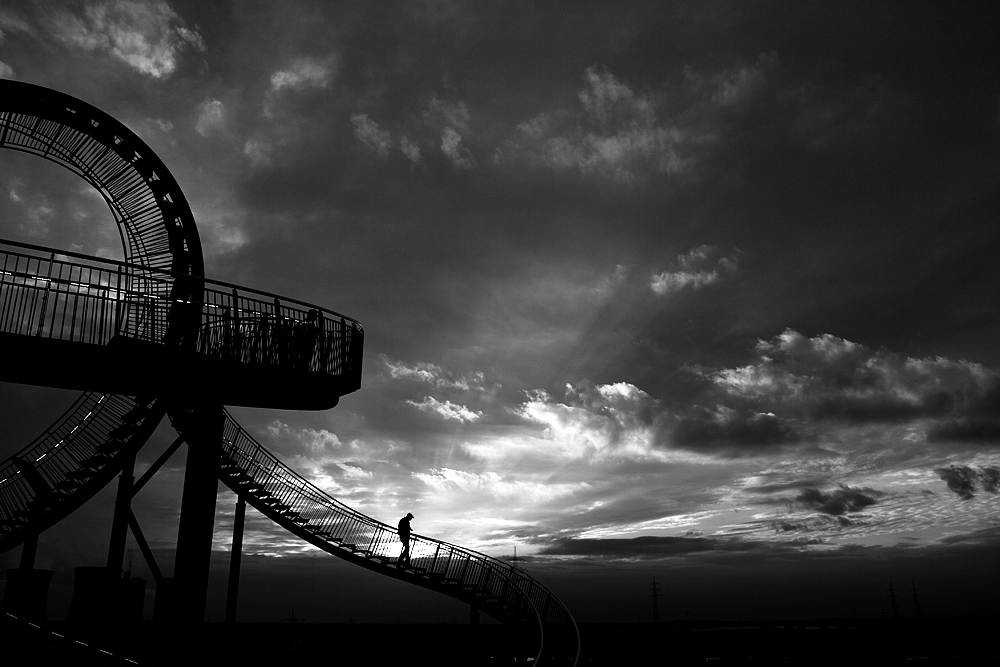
(404, 536)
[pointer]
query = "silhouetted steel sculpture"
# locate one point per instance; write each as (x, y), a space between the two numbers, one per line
(156, 338)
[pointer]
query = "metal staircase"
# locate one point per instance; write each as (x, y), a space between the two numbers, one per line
(140, 331)
(493, 585)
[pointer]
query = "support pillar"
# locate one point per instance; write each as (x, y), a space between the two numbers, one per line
(203, 432)
(119, 524)
(234, 560)
(29, 548)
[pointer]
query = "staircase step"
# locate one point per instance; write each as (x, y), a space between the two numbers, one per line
(111, 446)
(135, 415)
(95, 462)
(122, 432)
(43, 502)
(66, 485)
(80, 474)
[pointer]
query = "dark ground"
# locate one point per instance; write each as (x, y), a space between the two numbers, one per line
(932, 641)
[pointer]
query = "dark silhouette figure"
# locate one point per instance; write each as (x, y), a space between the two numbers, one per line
(404, 537)
(304, 337)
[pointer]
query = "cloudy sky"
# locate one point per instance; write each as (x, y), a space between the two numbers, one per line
(702, 291)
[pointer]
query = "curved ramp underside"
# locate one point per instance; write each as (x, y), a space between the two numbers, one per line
(71, 461)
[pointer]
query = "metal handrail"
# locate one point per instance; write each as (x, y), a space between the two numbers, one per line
(154, 220)
(42, 294)
(497, 586)
(73, 443)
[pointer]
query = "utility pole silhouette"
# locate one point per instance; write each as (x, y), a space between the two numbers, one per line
(892, 601)
(916, 601)
(656, 601)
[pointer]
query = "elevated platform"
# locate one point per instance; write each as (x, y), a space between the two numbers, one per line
(131, 367)
(76, 322)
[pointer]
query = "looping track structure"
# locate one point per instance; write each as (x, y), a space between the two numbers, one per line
(151, 336)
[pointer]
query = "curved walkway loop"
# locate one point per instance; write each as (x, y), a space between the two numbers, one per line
(151, 336)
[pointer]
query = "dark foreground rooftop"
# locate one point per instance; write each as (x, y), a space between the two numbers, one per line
(930, 641)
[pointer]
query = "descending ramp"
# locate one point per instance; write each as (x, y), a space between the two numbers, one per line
(495, 586)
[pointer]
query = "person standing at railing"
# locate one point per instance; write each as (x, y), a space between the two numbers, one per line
(404, 537)
(304, 337)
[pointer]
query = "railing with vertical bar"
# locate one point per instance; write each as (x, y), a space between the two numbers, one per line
(74, 458)
(502, 590)
(91, 300)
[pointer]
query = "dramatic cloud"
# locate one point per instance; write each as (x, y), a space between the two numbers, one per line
(701, 266)
(737, 87)
(964, 480)
(492, 484)
(841, 500)
(310, 440)
(410, 150)
(734, 431)
(148, 36)
(826, 377)
(304, 73)
(645, 547)
(370, 134)
(446, 409)
(595, 422)
(210, 118)
(293, 82)
(441, 114)
(258, 151)
(617, 134)
(12, 22)
(435, 376)
(451, 146)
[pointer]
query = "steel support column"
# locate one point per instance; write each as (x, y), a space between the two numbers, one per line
(203, 432)
(235, 556)
(119, 524)
(28, 551)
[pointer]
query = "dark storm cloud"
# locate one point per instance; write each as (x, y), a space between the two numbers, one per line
(979, 424)
(965, 480)
(733, 430)
(971, 430)
(841, 500)
(645, 547)
(787, 486)
(827, 378)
